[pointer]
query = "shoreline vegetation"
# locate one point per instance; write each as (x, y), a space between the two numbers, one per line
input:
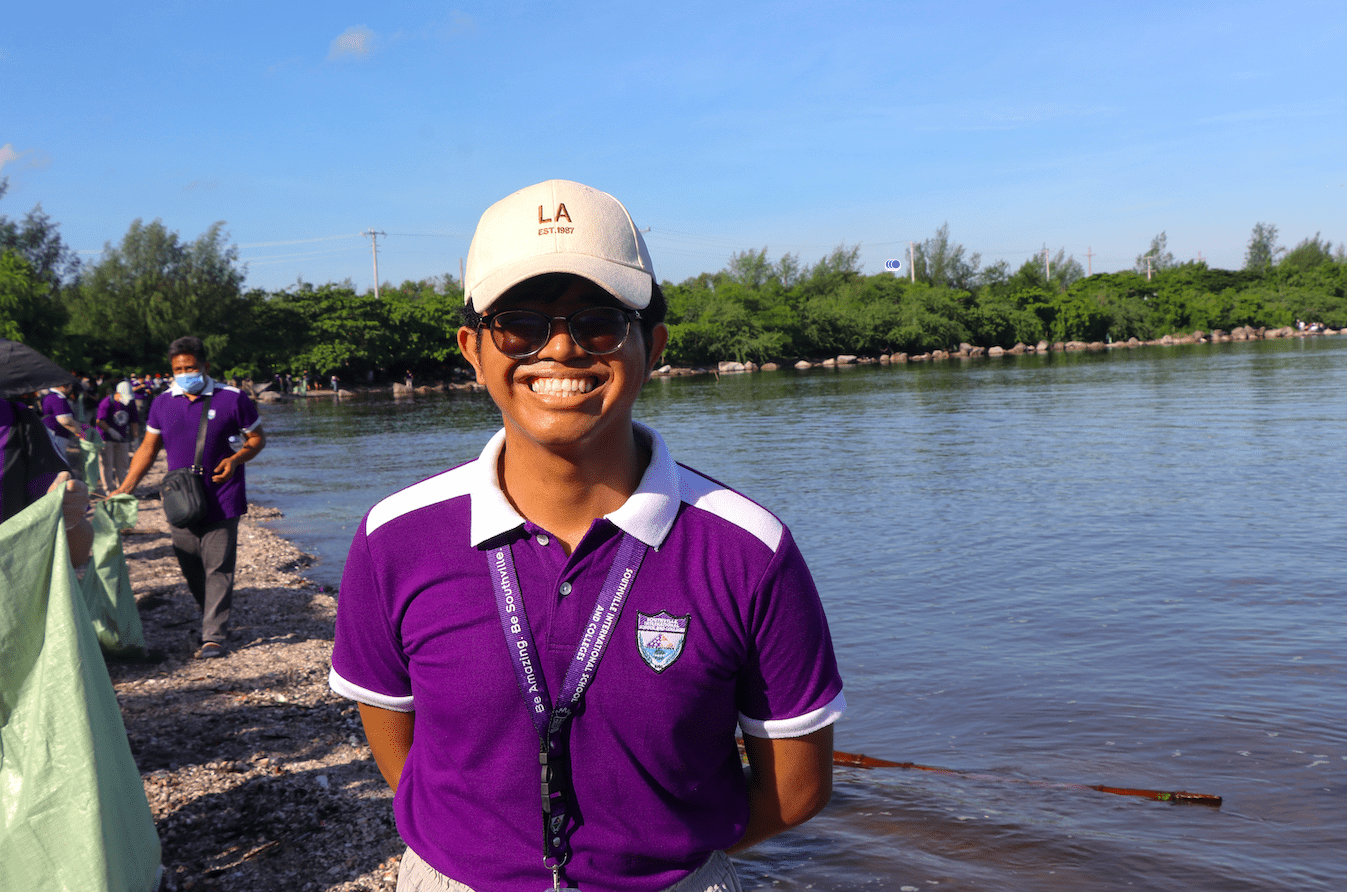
(111, 317)
(964, 351)
(968, 351)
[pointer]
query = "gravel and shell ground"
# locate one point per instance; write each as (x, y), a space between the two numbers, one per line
(257, 775)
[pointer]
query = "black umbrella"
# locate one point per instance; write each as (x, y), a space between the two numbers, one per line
(24, 370)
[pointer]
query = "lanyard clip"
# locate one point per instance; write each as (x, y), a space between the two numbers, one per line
(547, 777)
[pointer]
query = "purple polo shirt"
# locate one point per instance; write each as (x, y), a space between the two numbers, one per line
(657, 776)
(55, 404)
(175, 418)
(28, 462)
(119, 416)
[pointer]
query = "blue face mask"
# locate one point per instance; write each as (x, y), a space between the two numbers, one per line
(193, 384)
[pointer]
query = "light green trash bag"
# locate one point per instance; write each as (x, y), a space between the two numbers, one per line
(107, 580)
(73, 814)
(90, 446)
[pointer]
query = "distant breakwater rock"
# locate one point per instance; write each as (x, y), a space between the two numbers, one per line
(968, 351)
(268, 395)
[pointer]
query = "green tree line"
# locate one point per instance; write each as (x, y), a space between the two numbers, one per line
(117, 313)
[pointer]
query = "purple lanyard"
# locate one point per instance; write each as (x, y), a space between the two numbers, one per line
(550, 721)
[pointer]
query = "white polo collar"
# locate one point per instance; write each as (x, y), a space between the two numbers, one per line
(648, 515)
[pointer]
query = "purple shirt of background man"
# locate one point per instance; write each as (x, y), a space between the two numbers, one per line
(55, 404)
(118, 415)
(175, 418)
(658, 779)
(28, 463)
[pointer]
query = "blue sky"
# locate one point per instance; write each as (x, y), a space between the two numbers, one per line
(722, 126)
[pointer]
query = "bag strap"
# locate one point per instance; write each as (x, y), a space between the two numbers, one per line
(201, 435)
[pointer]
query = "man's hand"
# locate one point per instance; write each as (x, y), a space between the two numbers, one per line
(140, 463)
(75, 499)
(253, 442)
(79, 533)
(224, 470)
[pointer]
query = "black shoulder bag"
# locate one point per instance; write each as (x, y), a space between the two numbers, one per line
(184, 490)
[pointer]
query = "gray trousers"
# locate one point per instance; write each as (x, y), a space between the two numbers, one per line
(206, 555)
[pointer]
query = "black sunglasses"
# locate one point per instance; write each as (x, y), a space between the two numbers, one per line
(520, 334)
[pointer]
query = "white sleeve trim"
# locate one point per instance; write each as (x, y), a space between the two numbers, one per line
(798, 726)
(355, 692)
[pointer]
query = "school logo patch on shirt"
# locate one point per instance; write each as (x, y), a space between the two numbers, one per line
(660, 638)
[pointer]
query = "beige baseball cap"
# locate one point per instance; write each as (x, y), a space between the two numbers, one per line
(558, 227)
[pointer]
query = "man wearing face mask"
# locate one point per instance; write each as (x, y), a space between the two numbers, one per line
(205, 550)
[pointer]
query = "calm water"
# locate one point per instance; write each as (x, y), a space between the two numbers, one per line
(1123, 569)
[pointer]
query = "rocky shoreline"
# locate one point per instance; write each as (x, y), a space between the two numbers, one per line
(968, 351)
(961, 352)
(257, 775)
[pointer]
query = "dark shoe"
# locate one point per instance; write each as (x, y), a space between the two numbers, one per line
(210, 650)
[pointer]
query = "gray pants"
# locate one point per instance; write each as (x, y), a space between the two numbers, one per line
(114, 461)
(716, 875)
(206, 555)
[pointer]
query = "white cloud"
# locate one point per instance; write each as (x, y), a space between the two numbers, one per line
(461, 23)
(7, 154)
(354, 43)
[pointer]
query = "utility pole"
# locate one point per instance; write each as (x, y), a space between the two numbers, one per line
(1148, 266)
(911, 264)
(374, 247)
(1089, 255)
(1047, 267)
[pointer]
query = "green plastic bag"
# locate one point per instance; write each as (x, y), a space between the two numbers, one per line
(107, 580)
(73, 813)
(90, 446)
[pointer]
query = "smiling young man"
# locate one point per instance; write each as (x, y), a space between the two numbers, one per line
(554, 645)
